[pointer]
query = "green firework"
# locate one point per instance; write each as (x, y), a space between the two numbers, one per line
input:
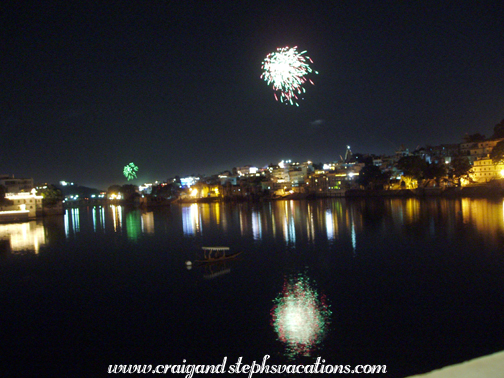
(130, 171)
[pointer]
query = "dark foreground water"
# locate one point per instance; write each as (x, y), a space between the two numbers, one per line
(411, 284)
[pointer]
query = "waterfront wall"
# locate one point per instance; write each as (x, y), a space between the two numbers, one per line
(467, 191)
(484, 367)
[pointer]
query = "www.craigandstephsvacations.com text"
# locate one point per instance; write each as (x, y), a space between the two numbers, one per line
(190, 370)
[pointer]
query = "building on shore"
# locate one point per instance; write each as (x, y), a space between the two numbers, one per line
(21, 207)
(484, 170)
(478, 150)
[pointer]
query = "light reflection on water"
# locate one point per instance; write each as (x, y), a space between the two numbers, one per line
(98, 218)
(411, 277)
(148, 222)
(292, 221)
(300, 316)
(256, 224)
(72, 221)
(23, 237)
(484, 215)
(117, 215)
(191, 219)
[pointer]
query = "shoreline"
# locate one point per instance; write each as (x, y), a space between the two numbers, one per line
(480, 191)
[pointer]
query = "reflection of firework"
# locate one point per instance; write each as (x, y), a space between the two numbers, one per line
(286, 70)
(130, 171)
(300, 317)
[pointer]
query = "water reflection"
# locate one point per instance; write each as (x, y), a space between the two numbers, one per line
(148, 222)
(343, 222)
(300, 316)
(22, 237)
(287, 221)
(338, 221)
(487, 216)
(310, 224)
(256, 224)
(117, 215)
(244, 224)
(133, 225)
(72, 221)
(216, 270)
(98, 218)
(111, 218)
(330, 225)
(191, 219)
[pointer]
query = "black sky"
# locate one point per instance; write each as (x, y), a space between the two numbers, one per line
(174, 86)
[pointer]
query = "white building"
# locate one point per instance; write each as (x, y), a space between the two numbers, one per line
(247, 171)
(23, 202)
(485, 170)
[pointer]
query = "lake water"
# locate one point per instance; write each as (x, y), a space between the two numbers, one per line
(408, 283)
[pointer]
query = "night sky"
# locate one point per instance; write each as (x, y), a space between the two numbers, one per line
(174, 86)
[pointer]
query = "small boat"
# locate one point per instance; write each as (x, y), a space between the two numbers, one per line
(216, 254)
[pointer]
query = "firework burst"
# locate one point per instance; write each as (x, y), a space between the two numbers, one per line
(130, 170)
(286, 70)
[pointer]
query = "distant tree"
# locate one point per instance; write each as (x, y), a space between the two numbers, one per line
(113, 189)
(413, 168)
(129, 192)
(435, 171)
(497, 153)
(366, 159)
(371, 176)
(460, 167)
(165, 191)
(498, 130)
(473, 138)
(51, 194)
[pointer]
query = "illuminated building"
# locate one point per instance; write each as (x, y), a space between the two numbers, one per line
(485, 170)
(187, 182)
(246, 171)
(202, 190)
(334, 183)
(66, 183)
(288, 175)
(22, 203)
(145, 188)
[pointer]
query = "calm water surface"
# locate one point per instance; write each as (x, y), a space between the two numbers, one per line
(408, 283)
